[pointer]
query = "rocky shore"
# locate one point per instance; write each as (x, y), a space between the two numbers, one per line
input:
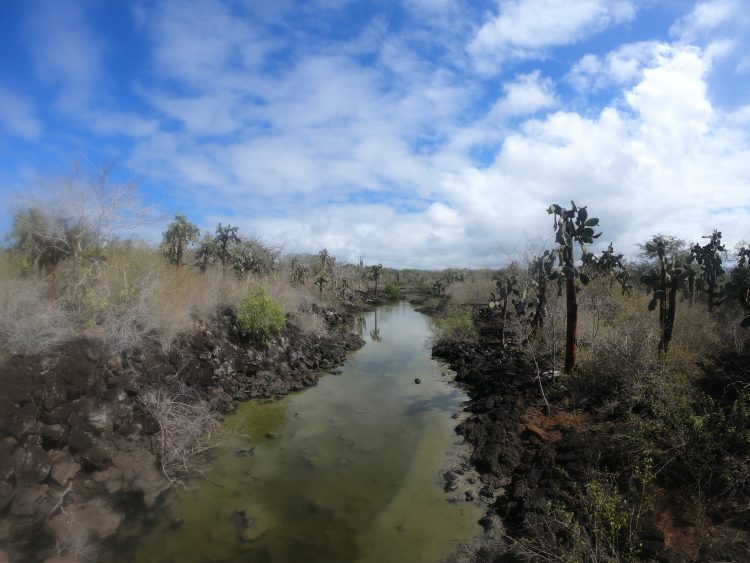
(529, 461)
(77, 443)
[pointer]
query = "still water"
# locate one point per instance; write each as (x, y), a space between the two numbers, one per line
(349, 470)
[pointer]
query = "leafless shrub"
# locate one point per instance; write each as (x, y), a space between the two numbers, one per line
(310, 323)
(185, 422)
(473, 290)
(28, 324)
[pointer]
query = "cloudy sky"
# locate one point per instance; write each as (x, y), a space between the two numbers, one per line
(424, 133)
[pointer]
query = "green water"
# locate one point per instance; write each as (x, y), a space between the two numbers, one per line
(346, 471)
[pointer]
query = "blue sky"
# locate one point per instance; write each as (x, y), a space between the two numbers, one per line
(425, 133)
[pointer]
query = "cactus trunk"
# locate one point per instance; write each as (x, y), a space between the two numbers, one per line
(571, 335)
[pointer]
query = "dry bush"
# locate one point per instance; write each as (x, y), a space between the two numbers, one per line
(473, 290)
(186, 423)
(310, 323)
(134, 295)
(28, 323)
(696, 338)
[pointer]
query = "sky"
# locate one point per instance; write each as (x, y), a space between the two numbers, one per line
(415, 133)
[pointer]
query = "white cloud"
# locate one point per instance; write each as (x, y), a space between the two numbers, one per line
(67, 54)
(705, 17)
(528, 94)
(526, 28)
(372, 145)
(619, 68)
(18, 116)
(667, 162)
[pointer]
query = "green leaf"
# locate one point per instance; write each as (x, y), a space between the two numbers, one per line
(597, 235)
(584, 279)
(593, 222)
(582, 215)
(652, 304)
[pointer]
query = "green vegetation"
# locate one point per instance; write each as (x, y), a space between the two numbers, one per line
(179, 235)
(259, 316)
(669, 397)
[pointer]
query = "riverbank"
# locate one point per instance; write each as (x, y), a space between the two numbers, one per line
(546, 473)
(348, 470)
(81, 436)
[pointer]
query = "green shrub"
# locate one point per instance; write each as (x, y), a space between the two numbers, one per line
(456, 326)
(259, 316)
(393, 292)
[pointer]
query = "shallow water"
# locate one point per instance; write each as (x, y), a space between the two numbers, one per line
(349, 470)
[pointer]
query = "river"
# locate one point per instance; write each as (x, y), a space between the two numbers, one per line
(349, 470)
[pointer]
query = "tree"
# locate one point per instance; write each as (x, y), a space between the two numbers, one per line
(251, 256)
(320, 280)
(738, 288)
(323, 254)
(45, 240)
(665, 282)
(224, 241)
(206, 253)
(506, 287)
(710, 258)
(299, 271)
(610, 264)
(180, 234)
(571, 226)
(375, 274)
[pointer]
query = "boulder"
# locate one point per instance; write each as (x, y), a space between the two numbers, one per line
(97, 457)
(93, 519)
(64, 467)
(140, 473)
(31, 464)
(6, 495)
(53, 436)
(28, 501)
(100, 420)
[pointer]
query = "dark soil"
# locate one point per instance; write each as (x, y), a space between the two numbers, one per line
(530, 460)
(76, 444)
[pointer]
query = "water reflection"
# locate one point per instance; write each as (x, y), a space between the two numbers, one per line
(344, 471)
(361, 322)
(375, 332)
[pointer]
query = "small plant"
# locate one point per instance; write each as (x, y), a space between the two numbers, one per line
(455, 327)
(259, 316)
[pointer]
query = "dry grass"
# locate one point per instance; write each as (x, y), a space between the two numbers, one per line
(186, 423)
(475, 289)
(29, 324)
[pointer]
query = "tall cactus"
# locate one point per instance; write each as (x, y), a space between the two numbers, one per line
(571, 226)
(609, 264)
(710, 257)
(665, 282)
(506, 286)
(540, 270)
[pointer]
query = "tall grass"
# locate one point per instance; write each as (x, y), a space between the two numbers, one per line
(132, 295)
